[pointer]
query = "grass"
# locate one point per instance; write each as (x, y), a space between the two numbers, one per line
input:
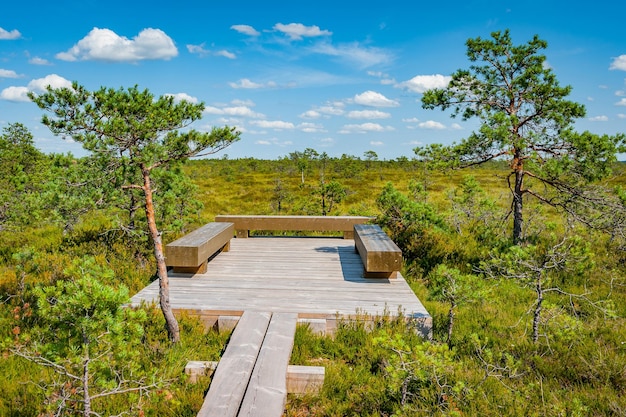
(491, 367)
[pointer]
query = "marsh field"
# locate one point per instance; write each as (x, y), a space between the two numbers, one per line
(502, 356)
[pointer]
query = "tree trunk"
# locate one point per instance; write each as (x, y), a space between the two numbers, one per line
(450, 321)
(537, 313)
(164, 287)
(518, 203)
(85, 381)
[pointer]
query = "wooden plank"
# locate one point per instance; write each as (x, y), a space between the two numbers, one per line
(305, 379)
(380, 255)
(196, 247)
(245, 223)
(300, 379)
(267, 391)
(231, 377)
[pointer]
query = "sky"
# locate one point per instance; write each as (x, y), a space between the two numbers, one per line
(341, 77)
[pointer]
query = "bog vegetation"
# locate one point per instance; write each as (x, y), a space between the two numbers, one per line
(529, 323)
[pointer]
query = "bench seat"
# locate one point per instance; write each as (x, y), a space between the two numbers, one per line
(190, 253)
(380, 255)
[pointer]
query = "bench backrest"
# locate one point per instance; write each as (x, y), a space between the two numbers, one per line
(245, 223)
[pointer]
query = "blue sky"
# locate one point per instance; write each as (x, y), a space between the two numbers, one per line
(336, 76)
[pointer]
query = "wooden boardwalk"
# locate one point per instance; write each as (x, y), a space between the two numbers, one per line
(317, 278)
(267, 284)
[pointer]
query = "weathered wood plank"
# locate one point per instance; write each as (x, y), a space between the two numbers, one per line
(305, 379)
(267, 390)
(231, 377)
(380, 255)
(245, 223)
(316, 277)
(300, 379)
(190, 252)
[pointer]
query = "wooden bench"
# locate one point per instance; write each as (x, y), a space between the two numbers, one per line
(190, 253)
(380, 255)
(251, 376)
(244, 224)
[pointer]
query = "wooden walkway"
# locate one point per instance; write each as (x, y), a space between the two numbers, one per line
(271, 283)
(317, 278)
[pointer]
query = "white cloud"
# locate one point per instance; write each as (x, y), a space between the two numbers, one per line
(364, 128)
(247, 84)
(431, 124)
(178, 97)
(421, 83)
(275, 124)
(296, 31)
(456, 126)
(622, 102)
(311, 114)
(238, 102)
(329, 109)
(202, 51)
(374, 99)
(8, 74)
(39, 61)
(197, 49)
(368, 114)
(15, 94)
(274, 142)
(6, 35)
(106, 45)
(226, 54)
(620, 93)
(364, 57)
(599, 119)
(376, 143)
(311, 127)
(621, 115)
(619, 63)
(332, 109)
(246, 30)
(411, 120)
(38, 85)
(234, 111)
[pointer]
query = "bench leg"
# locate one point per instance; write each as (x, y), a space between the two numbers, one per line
(348, 234)
(242, 234)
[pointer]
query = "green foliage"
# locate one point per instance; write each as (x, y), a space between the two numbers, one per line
(449, 285)
(87, 338)
(538, 269)
(576, 368)
(420, 375)
(525, 120)
(331, 194)
(133, 136)
(415, 227)
(22, 170)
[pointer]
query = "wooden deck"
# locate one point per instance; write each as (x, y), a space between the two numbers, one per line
(317, 278)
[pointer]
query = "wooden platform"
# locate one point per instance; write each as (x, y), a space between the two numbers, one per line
(316, 278)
